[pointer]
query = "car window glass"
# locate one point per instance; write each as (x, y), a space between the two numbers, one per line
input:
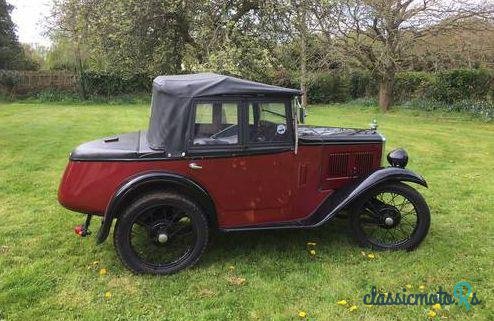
(268, 123)
(216, 124)
(204, 113)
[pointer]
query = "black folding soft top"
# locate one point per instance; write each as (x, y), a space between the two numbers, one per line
(171, 103)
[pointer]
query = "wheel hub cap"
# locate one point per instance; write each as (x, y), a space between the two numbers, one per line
(162, 238)
(389, 221)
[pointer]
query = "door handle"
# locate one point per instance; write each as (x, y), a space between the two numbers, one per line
(195, 166)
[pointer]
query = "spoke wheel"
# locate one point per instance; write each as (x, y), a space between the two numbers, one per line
(161, 233)
(392, 216)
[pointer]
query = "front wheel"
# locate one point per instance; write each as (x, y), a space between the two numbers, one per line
(392, 216)
(161, 233)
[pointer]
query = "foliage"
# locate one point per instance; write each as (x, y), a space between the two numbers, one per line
(112, 85)
(9, 78)
(11, 53)
(459, 84)
(329, 88)
(413, 84)
(48, 273)
(62, 55)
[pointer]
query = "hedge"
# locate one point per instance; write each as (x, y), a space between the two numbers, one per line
(95, 84)
(445, 86)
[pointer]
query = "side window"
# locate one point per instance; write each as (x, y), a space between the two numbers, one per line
(268, 123)
(216, 124)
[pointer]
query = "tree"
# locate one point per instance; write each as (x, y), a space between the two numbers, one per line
(10, 49)
(377, 34)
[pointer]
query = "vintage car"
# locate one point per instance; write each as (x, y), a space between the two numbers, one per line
(227, 154)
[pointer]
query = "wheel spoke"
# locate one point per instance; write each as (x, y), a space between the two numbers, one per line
(385, 205)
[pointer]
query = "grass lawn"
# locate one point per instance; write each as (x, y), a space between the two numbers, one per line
(47, 273)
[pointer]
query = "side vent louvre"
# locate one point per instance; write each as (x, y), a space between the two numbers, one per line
(338, 165)
(349, 164)
(363, 163)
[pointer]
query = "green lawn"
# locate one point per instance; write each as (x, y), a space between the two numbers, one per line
(47, 273)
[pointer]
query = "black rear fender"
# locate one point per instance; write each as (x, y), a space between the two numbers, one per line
(150, 182)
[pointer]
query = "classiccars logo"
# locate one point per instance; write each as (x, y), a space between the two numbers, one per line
(462, 295)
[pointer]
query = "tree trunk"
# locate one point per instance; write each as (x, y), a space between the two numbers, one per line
(386, 92)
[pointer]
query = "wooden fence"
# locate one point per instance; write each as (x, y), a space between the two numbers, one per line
(33, 81)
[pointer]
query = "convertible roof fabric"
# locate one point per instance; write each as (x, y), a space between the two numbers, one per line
(171, 104)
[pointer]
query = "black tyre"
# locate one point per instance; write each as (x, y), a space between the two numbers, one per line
(392, 216)
(161, 233)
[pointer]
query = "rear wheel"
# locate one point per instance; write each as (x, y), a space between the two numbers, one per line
(161, 233)
(392, 216)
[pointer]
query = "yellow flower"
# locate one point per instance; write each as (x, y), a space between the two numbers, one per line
(408, 286)
(436, 307)
(342, 302)
(302, 314)
(103, 271)
(312, 252)
(311, 244)
(471, 295)
(108, 295)
(352, 308)
(371, 256)
(422, 287)
(431, 314)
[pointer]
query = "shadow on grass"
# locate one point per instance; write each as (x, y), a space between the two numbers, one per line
(261, 246)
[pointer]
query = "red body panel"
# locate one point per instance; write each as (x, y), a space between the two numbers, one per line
(246, 190)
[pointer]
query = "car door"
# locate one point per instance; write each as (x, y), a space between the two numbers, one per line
(241, 151)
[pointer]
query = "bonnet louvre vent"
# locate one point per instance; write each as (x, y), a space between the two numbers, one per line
(349, 164)
(338, 165)
(363, 163)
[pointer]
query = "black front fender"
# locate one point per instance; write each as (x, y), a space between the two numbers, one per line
(343, 198)
(150, 180)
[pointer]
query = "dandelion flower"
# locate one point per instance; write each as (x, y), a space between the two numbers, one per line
(437, 306)
(431, 314)
(352, 308)
(302, 314)
(408, 286)
(108, 295)
(312, 252)
(422, 287)
(103, 271)
(342, 302)
(371, 256)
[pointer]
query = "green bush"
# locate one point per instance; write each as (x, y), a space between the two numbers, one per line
(96, 84)
(413, 84)
(9, 79)
(362, 84)
(463, 84)
(328, 88)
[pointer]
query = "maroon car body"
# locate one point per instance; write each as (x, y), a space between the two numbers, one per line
(234, 148)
